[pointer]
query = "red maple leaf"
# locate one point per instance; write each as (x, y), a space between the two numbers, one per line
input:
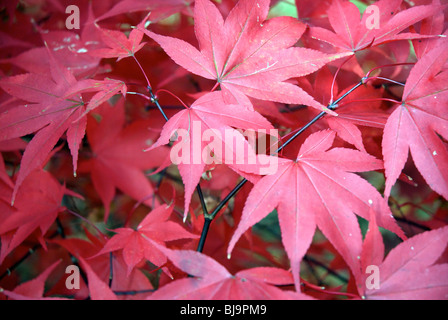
(37, 206)
(210, 114)
(416, 124)
(56, 106)
(119, 45)
(410, 270)
(247, 55)
(211, 281)
(135, 243)
(32, 289)
(318, 188)
(377, 26)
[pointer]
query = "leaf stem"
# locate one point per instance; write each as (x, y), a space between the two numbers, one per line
(143, 71)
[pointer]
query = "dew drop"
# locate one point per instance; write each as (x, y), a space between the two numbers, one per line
(370, 201)
(434, 153)
(412, 248)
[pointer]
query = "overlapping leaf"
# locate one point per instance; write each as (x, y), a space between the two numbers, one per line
(118, 44)
(318, 189)
(382, 22)
(209, 119)
(37, 207)
(247, 55)
(410, 271)
(135, 243)
(416, 124)
(211, 281)
(55, 107)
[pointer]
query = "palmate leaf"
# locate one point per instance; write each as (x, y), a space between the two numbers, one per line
(118, 45)
(247, 55)
(416, 124)
(211, 281)
(410, 271)
(135, 244)
(209, 114)
(37, 206)
(33, 289)
(353, 33)
(318, 189)
(56, 106)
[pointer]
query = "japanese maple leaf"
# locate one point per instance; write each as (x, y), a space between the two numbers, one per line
(209, 280)
(56, 107)
(135, 243)
(410, 271)
(32, 289)
(119, 45)
(209, 114)
(247, 55)
(418, 121)
(430, 25)
(37, 206)
(383, 24)
(318, 188)
(118, 159)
